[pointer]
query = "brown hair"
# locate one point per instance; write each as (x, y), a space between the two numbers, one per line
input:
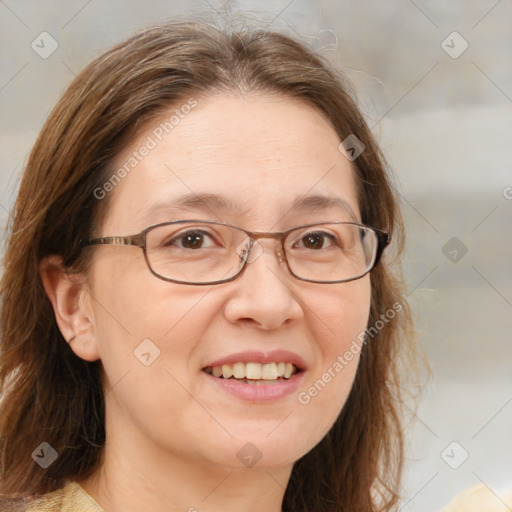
(51, 395)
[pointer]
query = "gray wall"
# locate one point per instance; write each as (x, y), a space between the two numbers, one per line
(444, 119)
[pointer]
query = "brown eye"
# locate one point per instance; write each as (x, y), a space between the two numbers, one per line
(316, 241)
(191, 240)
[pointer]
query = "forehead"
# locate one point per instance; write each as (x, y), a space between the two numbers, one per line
(259, 155)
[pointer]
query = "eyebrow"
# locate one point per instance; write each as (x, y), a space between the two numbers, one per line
(214, 203)
(211, 203)
(318, 202)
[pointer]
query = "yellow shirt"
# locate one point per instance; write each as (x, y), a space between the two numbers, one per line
(71, 498)
(480, 498)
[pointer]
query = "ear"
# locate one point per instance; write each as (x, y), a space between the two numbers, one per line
(72, 307)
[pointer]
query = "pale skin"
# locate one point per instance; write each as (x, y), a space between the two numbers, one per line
(172, 437)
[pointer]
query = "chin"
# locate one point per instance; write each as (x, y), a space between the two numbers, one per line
(260, 450)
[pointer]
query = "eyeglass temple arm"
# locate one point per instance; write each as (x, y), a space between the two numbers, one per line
(135, 240)
(384, 240)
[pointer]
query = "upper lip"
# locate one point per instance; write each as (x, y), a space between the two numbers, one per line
(257, 356)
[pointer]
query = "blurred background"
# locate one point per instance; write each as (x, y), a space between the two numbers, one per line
(435, 82)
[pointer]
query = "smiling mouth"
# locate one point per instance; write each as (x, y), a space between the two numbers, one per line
(254, 373)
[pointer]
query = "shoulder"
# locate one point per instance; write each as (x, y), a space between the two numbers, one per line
(71, 498)
(479, 498)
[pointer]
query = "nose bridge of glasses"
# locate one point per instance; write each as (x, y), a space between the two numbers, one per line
(255, 244)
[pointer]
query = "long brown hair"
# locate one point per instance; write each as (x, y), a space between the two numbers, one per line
(51, 395)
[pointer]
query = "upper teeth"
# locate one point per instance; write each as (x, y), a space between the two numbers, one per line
(257, 371)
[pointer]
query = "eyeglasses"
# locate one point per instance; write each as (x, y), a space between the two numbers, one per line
(201, 252)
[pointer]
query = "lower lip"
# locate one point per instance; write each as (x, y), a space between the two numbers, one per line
(259, 393)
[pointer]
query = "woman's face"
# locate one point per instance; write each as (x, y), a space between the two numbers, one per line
(242, 161)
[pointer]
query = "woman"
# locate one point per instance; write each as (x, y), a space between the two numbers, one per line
(194, 315)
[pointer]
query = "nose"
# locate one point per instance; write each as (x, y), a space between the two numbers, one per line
(264, 294)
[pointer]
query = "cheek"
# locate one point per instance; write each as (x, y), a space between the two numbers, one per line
(146, 321)
(340, 319)
(341, 314)
(143, 306)
(149, 331)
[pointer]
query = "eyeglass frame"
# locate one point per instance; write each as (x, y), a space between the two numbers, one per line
(140, 240)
